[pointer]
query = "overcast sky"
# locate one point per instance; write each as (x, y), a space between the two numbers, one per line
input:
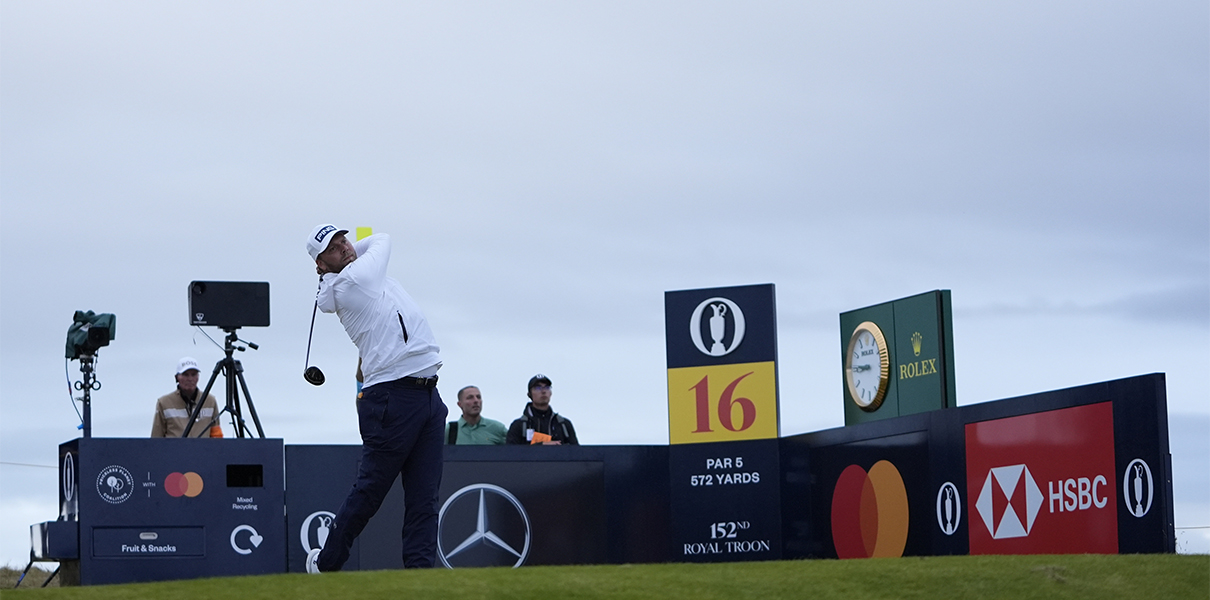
(548, 170)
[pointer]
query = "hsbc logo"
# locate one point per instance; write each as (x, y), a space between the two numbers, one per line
(1077, 494)
(1009, 502)
(1043, 483)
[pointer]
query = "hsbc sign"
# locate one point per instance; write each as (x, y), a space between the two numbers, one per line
(1041, 482)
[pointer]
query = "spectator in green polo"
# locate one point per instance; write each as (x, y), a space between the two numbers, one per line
(472, 428)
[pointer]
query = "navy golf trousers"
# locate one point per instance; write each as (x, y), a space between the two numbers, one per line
(401, 433)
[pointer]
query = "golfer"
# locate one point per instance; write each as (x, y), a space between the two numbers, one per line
(399, 412)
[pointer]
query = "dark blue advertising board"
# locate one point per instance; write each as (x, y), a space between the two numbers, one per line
(318, 478)
(1079, 470)
(155, 509)
(499, 506)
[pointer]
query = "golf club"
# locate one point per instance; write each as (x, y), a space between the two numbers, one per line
(312, 374)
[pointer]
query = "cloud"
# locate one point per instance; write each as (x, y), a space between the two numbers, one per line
(1188, 305)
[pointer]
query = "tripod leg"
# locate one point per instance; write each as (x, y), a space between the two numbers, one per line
(248, 397)
(26, 571)
(218, 368)
(52, 576)
(237, 417)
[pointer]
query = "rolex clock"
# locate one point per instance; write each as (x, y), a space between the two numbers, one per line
(867, 366)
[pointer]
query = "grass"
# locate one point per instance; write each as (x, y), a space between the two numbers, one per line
(935, 578)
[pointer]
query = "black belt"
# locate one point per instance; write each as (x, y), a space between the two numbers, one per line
(424, 383)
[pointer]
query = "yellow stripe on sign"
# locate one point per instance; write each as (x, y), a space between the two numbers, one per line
(364, 232)
(722, 403)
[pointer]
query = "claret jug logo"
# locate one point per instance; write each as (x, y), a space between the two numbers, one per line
(322, 527)
(69, 478)
(1138, 489)
(870, 512)
(724, 324)
(1043, 482)
(949, 508)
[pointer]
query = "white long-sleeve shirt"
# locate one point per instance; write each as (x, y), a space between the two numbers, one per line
(387, 326)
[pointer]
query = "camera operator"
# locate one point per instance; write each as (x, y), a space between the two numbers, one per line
(172, 410)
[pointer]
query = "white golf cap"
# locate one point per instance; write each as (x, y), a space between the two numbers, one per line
(186, 364)
(320, 237)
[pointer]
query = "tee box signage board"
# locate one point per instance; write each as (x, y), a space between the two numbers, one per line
(722, 364)
(723, 424)
(1083, 470)
(159, 509)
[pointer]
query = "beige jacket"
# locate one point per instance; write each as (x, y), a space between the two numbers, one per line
(172, 415)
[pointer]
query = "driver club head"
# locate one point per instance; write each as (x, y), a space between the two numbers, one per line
(314, 376)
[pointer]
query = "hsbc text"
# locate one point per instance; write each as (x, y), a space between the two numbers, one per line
(1077, 494)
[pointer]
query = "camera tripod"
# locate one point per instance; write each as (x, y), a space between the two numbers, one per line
(234, 371)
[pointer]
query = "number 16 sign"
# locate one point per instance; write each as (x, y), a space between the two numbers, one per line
(722, 364)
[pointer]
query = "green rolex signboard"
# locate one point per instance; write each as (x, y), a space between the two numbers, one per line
(898, 358)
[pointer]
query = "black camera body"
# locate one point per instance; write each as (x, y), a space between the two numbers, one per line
(89, 332)
(229, 304)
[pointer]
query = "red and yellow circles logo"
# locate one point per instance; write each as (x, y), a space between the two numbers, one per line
(869, 512)
(183, 484)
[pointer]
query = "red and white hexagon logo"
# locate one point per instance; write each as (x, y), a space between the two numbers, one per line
(1009, 501)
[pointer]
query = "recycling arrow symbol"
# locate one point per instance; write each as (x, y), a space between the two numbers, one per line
(255, 538)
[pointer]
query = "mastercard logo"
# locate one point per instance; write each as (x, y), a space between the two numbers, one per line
(183, 484)
(869, 512)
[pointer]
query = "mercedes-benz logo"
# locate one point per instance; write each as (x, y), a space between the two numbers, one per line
(508, 533)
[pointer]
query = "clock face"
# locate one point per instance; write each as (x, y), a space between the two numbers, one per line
(867, 366)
